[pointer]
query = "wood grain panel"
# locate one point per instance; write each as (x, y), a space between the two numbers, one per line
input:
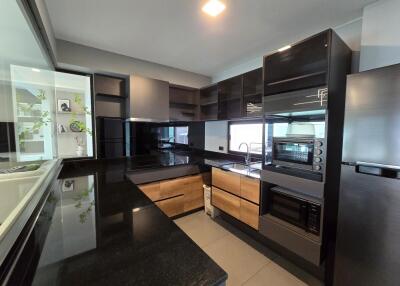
(226, 202)
(174, 187)
(195, 197)
(250, 189)
(172, 207)
(226, 180)
(249, 213)
(151, 190)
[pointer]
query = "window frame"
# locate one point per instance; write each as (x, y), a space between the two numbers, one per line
(243, 122)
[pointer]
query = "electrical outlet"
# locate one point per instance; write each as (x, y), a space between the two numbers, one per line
(221, 148)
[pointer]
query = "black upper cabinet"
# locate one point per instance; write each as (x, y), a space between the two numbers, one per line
(304, 65)
(209, 103)
(252, 93)
(230, 98)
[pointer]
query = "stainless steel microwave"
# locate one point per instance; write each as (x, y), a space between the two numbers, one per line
(294, 210)
(304, 153)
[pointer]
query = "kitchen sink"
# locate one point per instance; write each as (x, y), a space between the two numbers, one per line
(247, 170)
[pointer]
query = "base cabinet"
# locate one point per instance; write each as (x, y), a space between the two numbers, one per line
(249, 213)
(177, 196)
(173, 206)
(236, 195)
(226, 202)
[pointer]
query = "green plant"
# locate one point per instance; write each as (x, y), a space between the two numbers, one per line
(43, 119)
(81, 125)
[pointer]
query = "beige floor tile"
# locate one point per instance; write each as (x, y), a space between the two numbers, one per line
(201, 228)
(273, 275)
(237, 258)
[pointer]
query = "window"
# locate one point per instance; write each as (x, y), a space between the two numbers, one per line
(246, 132)
(181, 134)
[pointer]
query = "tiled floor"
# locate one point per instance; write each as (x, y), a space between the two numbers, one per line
(247, 263)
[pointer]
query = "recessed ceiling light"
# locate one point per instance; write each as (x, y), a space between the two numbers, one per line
(135, 210)
(213, 7)
(284, 48)
(35, 70)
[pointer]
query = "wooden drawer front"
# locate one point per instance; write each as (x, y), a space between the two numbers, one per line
(174, 187)
(226, 202)
(226, 180)
(249, 213)
(151, 190)
(172, 207)
(194, 198)
(250, 189)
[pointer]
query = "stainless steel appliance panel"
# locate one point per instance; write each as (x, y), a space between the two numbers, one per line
(368, 235)
(372, 118)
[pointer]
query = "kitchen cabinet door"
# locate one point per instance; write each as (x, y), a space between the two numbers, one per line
(173, 206)
(250, 189)
(252, 93)
(151, 190)
(209, 103)
(227, 181)
(194, 198)
(174, 187)
(249, 213)
(303, 65)
(230, 98)
(226, 202)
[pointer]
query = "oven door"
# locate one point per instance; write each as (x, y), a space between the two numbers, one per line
(298, 153)
(287, 208)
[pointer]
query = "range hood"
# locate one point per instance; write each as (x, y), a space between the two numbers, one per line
(148, 100)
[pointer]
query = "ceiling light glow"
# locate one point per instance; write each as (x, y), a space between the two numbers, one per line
(35, 70)
(284, 48)
(213, 7)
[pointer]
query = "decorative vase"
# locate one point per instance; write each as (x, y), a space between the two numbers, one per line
(79, 151)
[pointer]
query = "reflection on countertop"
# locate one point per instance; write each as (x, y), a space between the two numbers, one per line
(105, 231)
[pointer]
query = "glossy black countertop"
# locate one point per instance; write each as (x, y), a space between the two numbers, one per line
(104, 231)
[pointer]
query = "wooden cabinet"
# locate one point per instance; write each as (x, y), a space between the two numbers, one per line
(304, 65)
(226, 202)
(174, 187)
(209, 103)
(252, 93)
(249, 213)
(227, 181)
(173, 206)
(152, 191)
(194, 198)
(179, 195)
(230, 98)
(237, 195)
(250, 189)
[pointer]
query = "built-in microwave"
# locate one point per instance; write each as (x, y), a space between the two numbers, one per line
(306, 153)
(294, 210)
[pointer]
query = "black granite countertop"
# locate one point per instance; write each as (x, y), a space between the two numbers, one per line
(105, 231)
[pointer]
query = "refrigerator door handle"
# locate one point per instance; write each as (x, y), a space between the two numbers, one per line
(387, 171)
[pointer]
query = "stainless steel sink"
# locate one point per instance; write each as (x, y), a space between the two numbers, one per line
(242, 169)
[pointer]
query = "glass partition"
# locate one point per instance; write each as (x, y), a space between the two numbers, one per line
(26, 90)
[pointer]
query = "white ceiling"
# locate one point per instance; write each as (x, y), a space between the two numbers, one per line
(176, 33)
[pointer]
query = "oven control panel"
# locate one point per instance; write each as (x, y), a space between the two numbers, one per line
(319, 155)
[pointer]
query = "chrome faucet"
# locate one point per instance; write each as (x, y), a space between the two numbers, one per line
(247, 157)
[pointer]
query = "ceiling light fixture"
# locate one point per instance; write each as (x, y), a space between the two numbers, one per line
(213, 7)
(284, 48)
(35, 70)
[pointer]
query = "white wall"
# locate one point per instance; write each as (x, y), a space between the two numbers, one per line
(75, 56)
(350, 32)
(380, 43)
(216, 136)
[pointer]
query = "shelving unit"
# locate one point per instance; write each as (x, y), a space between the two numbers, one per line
(110, 99)
(230, 98)
(209, 103)
(252, 93)
(183, 103)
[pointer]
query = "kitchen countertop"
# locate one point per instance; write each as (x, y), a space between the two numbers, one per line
(107, 232)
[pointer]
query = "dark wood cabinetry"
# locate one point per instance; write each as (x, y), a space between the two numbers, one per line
(183, 103)
(303, 65)
(110, 95)
(230, 98)
(252, 93)
(209, 103)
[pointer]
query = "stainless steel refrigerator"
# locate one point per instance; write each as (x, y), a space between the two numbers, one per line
(368, 233)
